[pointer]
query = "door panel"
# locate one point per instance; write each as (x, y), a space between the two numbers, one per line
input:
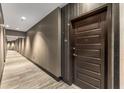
(89, 66)
(89, 46)
(88, 27)
(90, 32)
(95, 82)
(89, 37)
(89, 53)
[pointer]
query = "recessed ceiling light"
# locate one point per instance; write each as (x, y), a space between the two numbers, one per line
(7, 26)
(17, 28)
(23, 18)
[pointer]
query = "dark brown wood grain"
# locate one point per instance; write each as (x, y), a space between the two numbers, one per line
(73, 11)
(81, 26)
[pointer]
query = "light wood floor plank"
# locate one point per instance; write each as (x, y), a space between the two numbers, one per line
(20, 73)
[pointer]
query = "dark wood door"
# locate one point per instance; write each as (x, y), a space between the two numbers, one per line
(89, 41)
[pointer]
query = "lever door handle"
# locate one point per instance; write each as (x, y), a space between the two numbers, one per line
(75, 55)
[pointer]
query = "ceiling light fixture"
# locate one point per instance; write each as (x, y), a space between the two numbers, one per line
(7, 26)
(17, 28)
(23, 18)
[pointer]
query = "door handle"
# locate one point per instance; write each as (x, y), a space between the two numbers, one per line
(75, 55)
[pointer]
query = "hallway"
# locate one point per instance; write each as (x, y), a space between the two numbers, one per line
(76, 44)
(22, 74)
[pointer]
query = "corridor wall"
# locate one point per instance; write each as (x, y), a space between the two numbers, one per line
(42, 43)
(2, 44)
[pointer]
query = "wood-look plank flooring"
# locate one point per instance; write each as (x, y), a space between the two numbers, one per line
(20, 73)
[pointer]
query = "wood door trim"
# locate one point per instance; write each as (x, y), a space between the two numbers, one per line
(110, 58)
(116, 46)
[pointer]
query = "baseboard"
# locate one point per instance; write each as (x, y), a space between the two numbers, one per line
(49, 73)
(56, 78)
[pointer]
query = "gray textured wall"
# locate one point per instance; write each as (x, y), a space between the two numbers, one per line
(2, 44)
(43, 43)
(2, 51)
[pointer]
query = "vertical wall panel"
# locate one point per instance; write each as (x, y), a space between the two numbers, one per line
(62, 42)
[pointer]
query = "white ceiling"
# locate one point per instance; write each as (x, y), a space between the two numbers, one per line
(33, 12)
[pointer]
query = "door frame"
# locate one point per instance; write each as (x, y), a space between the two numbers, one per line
(112, 58)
